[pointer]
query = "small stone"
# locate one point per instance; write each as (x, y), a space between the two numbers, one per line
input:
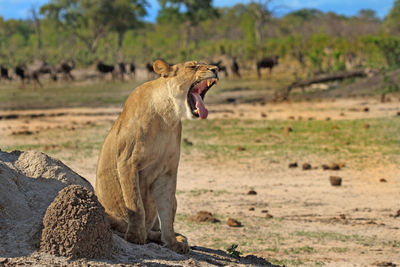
(234, 223)
(384, 264)
(240, 148)
(366, 109)
(325, 167)
(287, 129)
(397, 214)
(187, 142)
(335, 180)
(293, 165)
(383, 180)
(252, 192)
(203, 216)
(335, 167)
(307, 166)
(268, 216)
(251, 209)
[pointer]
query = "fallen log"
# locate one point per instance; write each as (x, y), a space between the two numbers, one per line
(283, 94)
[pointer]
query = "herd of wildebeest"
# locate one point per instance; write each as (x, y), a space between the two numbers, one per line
(119, 70)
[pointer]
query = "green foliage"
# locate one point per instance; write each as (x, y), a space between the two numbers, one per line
(389, 86)
(195, 10)
(302, 15)
(316, 57)
(339, 64)
(390, 49)
(87, 30)
(233, 252)
(90, 21)
(367, 14)
(392, 20)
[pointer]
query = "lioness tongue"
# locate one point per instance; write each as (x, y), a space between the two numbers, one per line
(203, 112)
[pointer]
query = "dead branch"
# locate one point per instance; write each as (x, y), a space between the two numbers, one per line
(283, 94)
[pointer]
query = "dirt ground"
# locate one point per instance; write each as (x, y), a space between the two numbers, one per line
(295, 217)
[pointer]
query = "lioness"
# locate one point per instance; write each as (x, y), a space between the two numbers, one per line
(138, 162)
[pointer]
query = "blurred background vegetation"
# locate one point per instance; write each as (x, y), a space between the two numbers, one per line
(88, 30)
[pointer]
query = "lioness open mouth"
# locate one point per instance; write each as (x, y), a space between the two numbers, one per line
(196, 95)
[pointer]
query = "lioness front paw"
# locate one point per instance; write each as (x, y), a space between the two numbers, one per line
(180, 245)
(136, 237)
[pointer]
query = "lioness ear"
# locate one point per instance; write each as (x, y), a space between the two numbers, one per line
(161, 67)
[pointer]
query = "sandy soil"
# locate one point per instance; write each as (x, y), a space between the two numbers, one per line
(313, 223)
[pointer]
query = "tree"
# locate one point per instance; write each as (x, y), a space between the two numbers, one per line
(189, 12)
(78, 16)
(194, 10)
(36, 22)
(123, 15)
(368, 15)
(392, 20)
(89, 20)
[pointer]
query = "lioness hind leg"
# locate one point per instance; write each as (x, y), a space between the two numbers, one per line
(129, 180)
(117, 224)
(136, 232)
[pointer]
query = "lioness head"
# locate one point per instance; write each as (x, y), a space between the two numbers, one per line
(188, 83)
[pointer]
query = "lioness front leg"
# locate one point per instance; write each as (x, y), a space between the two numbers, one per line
(164, 195)
(129, 179)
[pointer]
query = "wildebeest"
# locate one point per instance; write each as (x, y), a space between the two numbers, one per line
(235, 67)
(4, 73)
(46, 68)
(150, 70)
(122, 69)
(66, 66)
(221, 68)
(267, 62)
(25, 74)
(132, 69)
(300, 59)
(104, 68)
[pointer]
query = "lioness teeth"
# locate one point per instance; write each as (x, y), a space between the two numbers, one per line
(211, 81)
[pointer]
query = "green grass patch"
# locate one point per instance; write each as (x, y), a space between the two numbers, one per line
(300, 250)
(58, 95)
(328, 236)
(221, 138)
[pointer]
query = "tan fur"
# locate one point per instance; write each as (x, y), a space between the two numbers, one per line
(138, 162)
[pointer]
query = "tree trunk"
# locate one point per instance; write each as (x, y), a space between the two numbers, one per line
(37, 27)
(121, 35)
(283, 94)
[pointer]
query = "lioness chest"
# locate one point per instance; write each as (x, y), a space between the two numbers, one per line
(160, 154)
